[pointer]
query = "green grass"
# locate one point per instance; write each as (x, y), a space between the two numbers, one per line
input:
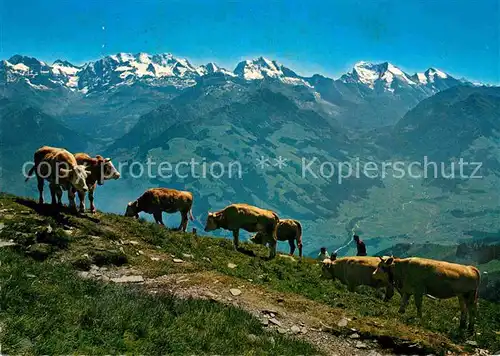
(281, 275)
(46, 309)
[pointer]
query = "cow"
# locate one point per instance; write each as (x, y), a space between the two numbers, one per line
(247, 217)
(355, 271)
(101, 169)
(157, 200)
(61, 169)
(443, 280)
(288, 230)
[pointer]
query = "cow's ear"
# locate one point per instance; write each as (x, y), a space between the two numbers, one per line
(129, 203)
(107, 159)
(99, 157)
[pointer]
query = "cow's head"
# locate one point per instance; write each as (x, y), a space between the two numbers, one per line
(132, 210)
(106, 168)
(258, 238)
(327, 269)
(211, 222)
(384, 269)
(76, 175)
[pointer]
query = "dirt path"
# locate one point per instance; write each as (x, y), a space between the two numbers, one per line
(279, 312)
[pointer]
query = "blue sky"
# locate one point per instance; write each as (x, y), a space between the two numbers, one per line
(460, 37)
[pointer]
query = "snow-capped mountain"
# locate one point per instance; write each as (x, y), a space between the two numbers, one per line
(387, 77)
(163, 70)
(262, 68)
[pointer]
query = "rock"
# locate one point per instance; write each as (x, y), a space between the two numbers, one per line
(282, 330)
(30, 276)
(264, 322)
(252, 337)
(140, 252)
(354, 336)
(275, 321)
(471, 343)
(231, 265)
(342, 323)
(272, 315)
(235, 291)
(84, 274)
(4, 243)
(128, 279)
(187, 255)
(155, 259)
(39, 251)
(177, 260)
(303, 330)
(295, 329)
(361, 345)
(210, 295)
(270, 311)
(206, 259)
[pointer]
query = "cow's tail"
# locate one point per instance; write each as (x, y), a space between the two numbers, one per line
(478, 283)
(299, 238)
(30, 173)
(191, 214)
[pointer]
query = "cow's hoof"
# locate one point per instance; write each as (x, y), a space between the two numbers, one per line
(93, 211)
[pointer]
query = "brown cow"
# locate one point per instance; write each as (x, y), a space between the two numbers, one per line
(157, 200)
(418, 276)
(101, 169)
(355, 271)
(288, 230)
(61, 169)
(250, 218)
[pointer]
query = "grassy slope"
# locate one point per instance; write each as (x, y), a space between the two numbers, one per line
(437, 331)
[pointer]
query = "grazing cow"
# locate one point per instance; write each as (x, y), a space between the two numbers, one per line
(355, 271)
(101, 169)
(250, 218)
(157, 200)
(288, 230)
(418, 276)
(61, 169)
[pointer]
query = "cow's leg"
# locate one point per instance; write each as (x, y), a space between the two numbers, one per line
(59, 194)
(300, 249)
(389, 293)
(158, 217)
(405, 298)
(463, 311)
(53, 190)
(71, 199)
(236, 238)
(81, 198)
(184, 221)
(40, 182)
(91, 199)
(418, 303)
(471, 303)
(291, 242)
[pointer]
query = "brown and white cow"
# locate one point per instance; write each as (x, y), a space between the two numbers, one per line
(61, 169)
(356, 271)
(418, 276)
(288, 230)
(100, 169)
(157, 200)
(247, 217)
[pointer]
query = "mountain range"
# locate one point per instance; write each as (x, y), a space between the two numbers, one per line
(139, 107)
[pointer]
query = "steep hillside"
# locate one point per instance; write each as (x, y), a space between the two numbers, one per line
(43, 250)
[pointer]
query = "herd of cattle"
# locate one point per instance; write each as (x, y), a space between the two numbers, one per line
(79, 174)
